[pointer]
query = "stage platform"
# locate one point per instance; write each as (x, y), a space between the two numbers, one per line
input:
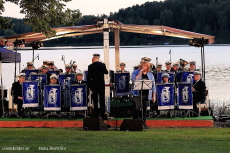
(203, 121)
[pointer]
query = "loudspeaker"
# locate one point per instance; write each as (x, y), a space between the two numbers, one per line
(94, 123)
(131, 125)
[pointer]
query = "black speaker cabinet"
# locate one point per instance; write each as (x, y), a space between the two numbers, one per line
(131, 125)
(94, 123)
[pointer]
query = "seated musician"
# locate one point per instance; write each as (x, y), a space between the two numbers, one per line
(198, 90)
(51, 66)
(30, 66)
(53, 79)
(68, 69)
(44, 70)
(17, 93)
(168, 66)
(79, 79)
(122, 68)
(165, 78)
(143, 74)
(158, 69)
(192, 66)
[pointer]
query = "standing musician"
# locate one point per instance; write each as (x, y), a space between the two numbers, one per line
(17, 93)
(143, 74)
(198, 90)
(96, 82)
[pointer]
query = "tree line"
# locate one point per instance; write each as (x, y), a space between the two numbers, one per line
(209, 17)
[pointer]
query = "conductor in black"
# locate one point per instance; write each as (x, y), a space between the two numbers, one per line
(96, 83)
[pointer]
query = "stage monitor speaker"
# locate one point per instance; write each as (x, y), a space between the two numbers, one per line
(131, 125)
(94, 123)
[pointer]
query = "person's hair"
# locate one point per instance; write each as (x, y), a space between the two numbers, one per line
(146, 64)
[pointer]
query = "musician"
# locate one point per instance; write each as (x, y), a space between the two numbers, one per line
(43, 63)
(198, 90)
(192, 66)
(74, 70)
(53, 79)
(96, 82)
(165, 78)
(122, 68)
(158, 69)
(51, 66)
(17, 93)
(168, 66)
(44, 70)
(143, 74)
(79, 79)
(30, 66)
(68, 69)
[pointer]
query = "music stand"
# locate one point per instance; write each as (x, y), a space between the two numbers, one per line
(122, 87)
(30, 94)
(142, 85)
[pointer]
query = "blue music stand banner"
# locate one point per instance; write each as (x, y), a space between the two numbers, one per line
(30, 94)
(28, 72)
(178, 76)
(66, 80)
(122, 83)
(171, 77)
(159, 77)
(78, 97)
(187, 77)
(165, 96)
(185, 96)
(40, 78)
(54, 72)
(52, 98)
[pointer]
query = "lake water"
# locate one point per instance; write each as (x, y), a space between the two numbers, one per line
(217, 61)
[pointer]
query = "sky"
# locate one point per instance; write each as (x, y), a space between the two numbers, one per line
(86, 7)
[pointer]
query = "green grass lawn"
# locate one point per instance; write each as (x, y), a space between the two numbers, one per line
(178, 140)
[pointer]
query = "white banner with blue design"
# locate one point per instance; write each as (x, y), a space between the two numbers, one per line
(28, 73)
(187, 77)
(122, 83)
(65, 80)
(30, 94)
(165, 96)
(78, 97)
(52, 97)
(185, 96)
(40, 78)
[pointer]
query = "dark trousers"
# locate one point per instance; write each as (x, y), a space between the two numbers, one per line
(19, 107)
(137, 107)
(101, 94)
